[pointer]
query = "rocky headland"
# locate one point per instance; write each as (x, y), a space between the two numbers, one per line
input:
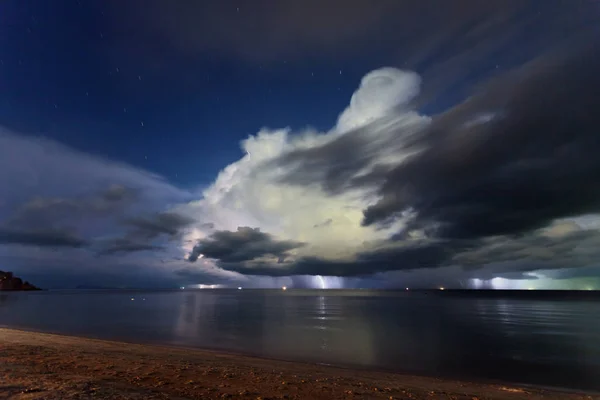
(10, 282)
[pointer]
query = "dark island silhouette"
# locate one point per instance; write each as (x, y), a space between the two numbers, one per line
(10, 282)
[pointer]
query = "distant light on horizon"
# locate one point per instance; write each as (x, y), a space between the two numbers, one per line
(284, 288)
(203, 286)
(327, 282)
(322, 282)
(501, 283)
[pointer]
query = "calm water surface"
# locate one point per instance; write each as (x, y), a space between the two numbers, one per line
(535, 341)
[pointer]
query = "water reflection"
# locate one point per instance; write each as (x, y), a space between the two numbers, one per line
(308, 328)
(4, 299)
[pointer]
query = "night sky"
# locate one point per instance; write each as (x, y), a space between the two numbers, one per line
(337, 143)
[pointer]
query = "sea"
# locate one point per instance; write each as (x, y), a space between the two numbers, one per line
(549, 339)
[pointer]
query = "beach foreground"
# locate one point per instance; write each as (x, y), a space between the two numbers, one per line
(45, 366)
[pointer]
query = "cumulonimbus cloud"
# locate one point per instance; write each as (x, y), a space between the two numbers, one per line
(401, 190)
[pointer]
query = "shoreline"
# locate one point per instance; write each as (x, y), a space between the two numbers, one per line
(36, 365)
(347, 367)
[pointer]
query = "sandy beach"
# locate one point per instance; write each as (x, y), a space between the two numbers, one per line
(46, 366)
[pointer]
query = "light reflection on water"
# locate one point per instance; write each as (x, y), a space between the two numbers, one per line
(525, 340)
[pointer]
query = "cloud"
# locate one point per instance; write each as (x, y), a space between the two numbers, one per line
(263, 30)
(62, 198)
(433, 32)
(477, 187)
(380, 91)
(39, 167)
(163, 223)
(256, 190)
(532, 163)
(563, 243)
(44, 238)
(125, 245)
(50, 211)
(146, 233)
(451, 47)
(245, 244)
(364, 264)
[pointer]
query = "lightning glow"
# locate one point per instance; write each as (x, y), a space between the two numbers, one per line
(322, 282)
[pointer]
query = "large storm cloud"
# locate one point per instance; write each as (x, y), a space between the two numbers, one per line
(478, 185)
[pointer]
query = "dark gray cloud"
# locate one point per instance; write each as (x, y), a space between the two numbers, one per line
(509, 257)
(575, 248)
(409, 257)
(164, 223)
(450, 46)
(250, 251)
(54, 213)
(146, 233)
(49, 221)
(60, 198)
(245, 244)
(431, 32)
(49, 211)
(208, 225)
(534, 162)
(335, 165)
(40, 237)
(119, 193)
(126, 245)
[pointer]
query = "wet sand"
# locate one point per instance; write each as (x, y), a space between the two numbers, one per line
(45, 366)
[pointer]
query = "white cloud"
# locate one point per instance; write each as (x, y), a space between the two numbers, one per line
(247, 194)
(379, 93)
